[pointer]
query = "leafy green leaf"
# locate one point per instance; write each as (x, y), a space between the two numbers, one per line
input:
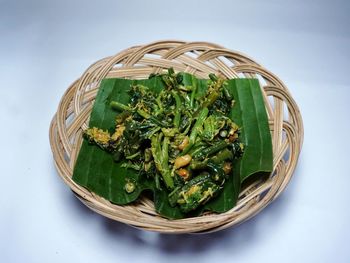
(250, 114)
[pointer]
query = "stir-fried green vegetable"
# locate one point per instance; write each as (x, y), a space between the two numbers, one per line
(182, 141)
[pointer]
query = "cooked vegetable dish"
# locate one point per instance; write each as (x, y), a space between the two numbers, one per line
(183, 142)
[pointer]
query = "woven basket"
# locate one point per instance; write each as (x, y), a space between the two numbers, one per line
(200, 59)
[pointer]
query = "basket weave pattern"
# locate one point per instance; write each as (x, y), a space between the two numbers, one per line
(200, 59)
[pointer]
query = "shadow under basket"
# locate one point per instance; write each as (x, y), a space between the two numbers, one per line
(200, 59)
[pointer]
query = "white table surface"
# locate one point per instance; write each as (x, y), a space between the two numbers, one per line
(46, 45)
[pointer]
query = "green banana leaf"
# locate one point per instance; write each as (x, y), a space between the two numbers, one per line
(249, 113)
(96, 170)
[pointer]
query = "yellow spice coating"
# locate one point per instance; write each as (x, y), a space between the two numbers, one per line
(118, 132)
(98, 135)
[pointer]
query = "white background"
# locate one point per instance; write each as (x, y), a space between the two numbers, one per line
(46, 45)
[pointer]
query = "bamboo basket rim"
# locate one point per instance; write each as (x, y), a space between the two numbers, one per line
(200, 59)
